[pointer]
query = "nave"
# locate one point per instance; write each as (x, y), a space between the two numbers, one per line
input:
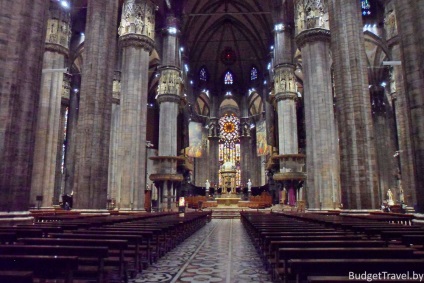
(219, 252)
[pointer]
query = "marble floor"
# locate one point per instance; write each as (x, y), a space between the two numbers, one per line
(219, 252)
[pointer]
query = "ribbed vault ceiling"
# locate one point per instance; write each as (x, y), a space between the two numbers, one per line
(211, 26)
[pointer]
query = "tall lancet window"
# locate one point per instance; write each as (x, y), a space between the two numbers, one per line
(253, 74)
(203, 74)
(366, 7)
(229, 143)
(228, 79)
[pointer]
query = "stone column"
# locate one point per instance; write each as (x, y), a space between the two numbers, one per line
(245, 158)
(71, 136)
(213, 138)
(137, 41)
(58, 182)
(357, 150)
(113, 182)
(92, 156)
(169, 98)
(321, 136)
(49, 111)
(285, 90)
(385, 145)
(405, 154)
(410, 22)
(22, 37)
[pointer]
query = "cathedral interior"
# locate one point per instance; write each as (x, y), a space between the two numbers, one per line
(126, 125)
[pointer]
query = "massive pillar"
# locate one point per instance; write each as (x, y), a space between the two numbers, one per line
(113, 182)
(71, 135)
(169, 99)
(213, 138)
(137, 31)
(285, 90)
(22, 36)
(384, 144)
(359, 186)
(411, 23)
(49, 111)
(91, 164)
(245, 156)
(322, 163)
(405, 154)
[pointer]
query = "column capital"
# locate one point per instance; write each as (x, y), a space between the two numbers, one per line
(53, 47)
(58, 31)
(285, 96)
(311, 35)
(284, 81)
(285, 66)
(169, 97)
(170, 81)
(137, 40)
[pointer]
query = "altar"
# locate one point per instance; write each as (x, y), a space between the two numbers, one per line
(227, 201)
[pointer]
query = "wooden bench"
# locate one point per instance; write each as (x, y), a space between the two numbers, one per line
(119, 245)
(41, 265)
(134, 242)
(413, 240)
(341, 267)
(16, 276)
(99, 253)
(285, 254)
(7, 237)
(276, 245)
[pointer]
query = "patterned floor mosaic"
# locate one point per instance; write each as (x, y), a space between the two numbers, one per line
(219, 252)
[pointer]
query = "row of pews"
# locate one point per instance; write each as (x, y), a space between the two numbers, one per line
(91, 248)
(329, 247)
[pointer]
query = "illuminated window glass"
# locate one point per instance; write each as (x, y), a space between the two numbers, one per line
(228, 79)
(253, 74)
(203, 76)
(365, 7)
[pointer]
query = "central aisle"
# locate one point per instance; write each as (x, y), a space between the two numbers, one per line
(219, 252)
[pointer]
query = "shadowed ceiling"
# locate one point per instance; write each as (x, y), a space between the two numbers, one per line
(243, 28)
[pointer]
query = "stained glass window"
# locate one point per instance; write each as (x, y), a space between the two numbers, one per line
(366, 7)
(253, 74)
(228, 79)
(229, 125)
(229, 144)
(203, 76)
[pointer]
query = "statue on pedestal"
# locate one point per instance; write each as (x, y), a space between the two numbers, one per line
(390, 198)
(207, 185)
(249, 186)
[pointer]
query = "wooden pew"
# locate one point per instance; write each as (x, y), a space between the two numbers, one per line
(274, 247)
(99, 253)
(413, 240)
(16, 276)
(134, 240)
(341, 267)
(119, 245)
(41, 265)
(7, 237)
(285, 254)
